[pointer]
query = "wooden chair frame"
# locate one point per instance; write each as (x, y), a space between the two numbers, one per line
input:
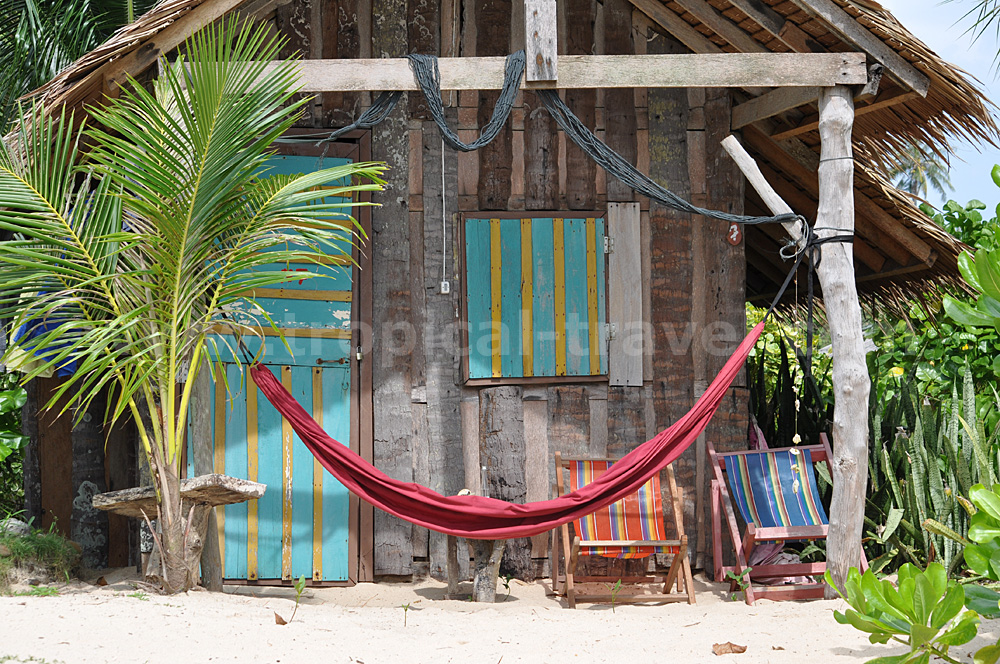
(679, 572)
(744, 545)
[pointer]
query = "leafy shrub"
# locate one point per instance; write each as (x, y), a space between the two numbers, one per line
(38, 553)
(924, 612)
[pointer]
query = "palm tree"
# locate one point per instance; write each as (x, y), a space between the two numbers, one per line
(39, 38)
(124, 259)
(917, 169)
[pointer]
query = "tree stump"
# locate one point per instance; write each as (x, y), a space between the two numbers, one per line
(488, 555)
(502, 451)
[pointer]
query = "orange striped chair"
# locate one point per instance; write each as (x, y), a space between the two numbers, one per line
(632, 527)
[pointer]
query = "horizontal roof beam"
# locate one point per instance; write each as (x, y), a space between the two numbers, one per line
(599, 71)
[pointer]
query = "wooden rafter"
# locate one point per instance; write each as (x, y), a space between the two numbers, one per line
(811, 122)
(676, 26)
(807, 178)
(599, 71)
(722, 26)
(784, 30)
(772, 103)
(849, 29)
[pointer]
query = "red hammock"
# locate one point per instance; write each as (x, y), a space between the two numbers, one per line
(477, 517)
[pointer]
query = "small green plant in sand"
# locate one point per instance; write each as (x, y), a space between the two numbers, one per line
(300, 586)
(614, 588)
(742, 581)
(25, 659)
(139, 595)
(40, 591)
(506, 579)
(406, 610)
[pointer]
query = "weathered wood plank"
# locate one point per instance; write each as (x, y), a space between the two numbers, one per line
(209, 489)
(580, 190)
(540, 31)
(772, 103)
(392, 370)
(541, 156)
(444, 424)
(811, 122)
(625, 300)
(203, 450)
(600, 71)
(536, 444)
(502, 450)
(676, 26)
(852, 31)
(424, 28)
(493, 39)
(619, 103)
(786, 31)
(722, 26)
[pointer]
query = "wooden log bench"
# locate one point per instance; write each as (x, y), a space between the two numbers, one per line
(199, 495)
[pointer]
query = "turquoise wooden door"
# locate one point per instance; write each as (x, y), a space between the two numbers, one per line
(301, 524)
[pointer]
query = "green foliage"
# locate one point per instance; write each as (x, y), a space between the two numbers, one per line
(12, 445)
(923, 463)
(167, 224)
(614, 589)
(776, 375)
(49, 552)
(925, 612)
(742, 580)
(40, 591)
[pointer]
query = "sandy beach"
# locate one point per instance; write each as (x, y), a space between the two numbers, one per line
(365, 624)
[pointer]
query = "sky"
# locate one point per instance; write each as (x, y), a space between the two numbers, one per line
(940, 25)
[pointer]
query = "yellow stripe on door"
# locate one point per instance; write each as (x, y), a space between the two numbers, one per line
(286, 485)
(595, 337)
(317, 548)
(559, 259)
(253, 463)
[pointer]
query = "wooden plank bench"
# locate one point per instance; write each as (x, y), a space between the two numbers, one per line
(199, 495)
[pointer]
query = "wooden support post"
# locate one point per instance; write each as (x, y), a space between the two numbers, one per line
(540, 40)
(488, 555)
(836, 275)
(503, 452)
(851, 382)
(204, 464)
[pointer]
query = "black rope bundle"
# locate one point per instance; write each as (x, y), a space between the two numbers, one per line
(616, 165)
(428, 77)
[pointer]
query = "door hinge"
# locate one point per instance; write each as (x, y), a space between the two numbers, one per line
(609, 244)
(610, 330)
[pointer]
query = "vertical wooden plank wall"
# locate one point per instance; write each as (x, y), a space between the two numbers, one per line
(426, 424)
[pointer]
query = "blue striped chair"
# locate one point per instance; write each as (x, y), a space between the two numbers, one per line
(776, 495)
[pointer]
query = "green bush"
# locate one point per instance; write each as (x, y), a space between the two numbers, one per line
(924, 611)
(38, 552)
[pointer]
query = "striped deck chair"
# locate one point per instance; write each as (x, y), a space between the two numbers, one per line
(629, 528)
(776, 494)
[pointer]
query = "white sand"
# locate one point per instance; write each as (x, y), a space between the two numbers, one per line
(365, 624)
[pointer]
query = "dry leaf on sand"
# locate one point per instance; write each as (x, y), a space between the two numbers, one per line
(278, 620)
(728, 648)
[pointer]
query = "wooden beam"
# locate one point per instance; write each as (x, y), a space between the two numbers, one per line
(772, 103)
(806, 176)
(722, 26)
(599, 71)
(786, 31)
(676, 26)
(540, 32)
(811, 123)
(852, 31)
(164, 41)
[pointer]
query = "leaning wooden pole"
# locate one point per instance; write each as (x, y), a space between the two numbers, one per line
(851, 382)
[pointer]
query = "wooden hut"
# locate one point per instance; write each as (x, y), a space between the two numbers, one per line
(420, 360)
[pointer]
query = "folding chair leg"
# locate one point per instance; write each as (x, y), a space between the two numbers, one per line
(688, 580)
(554, 561)
(571, 558)
(716, 532)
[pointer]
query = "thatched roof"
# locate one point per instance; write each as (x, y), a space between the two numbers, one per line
(899, 250)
